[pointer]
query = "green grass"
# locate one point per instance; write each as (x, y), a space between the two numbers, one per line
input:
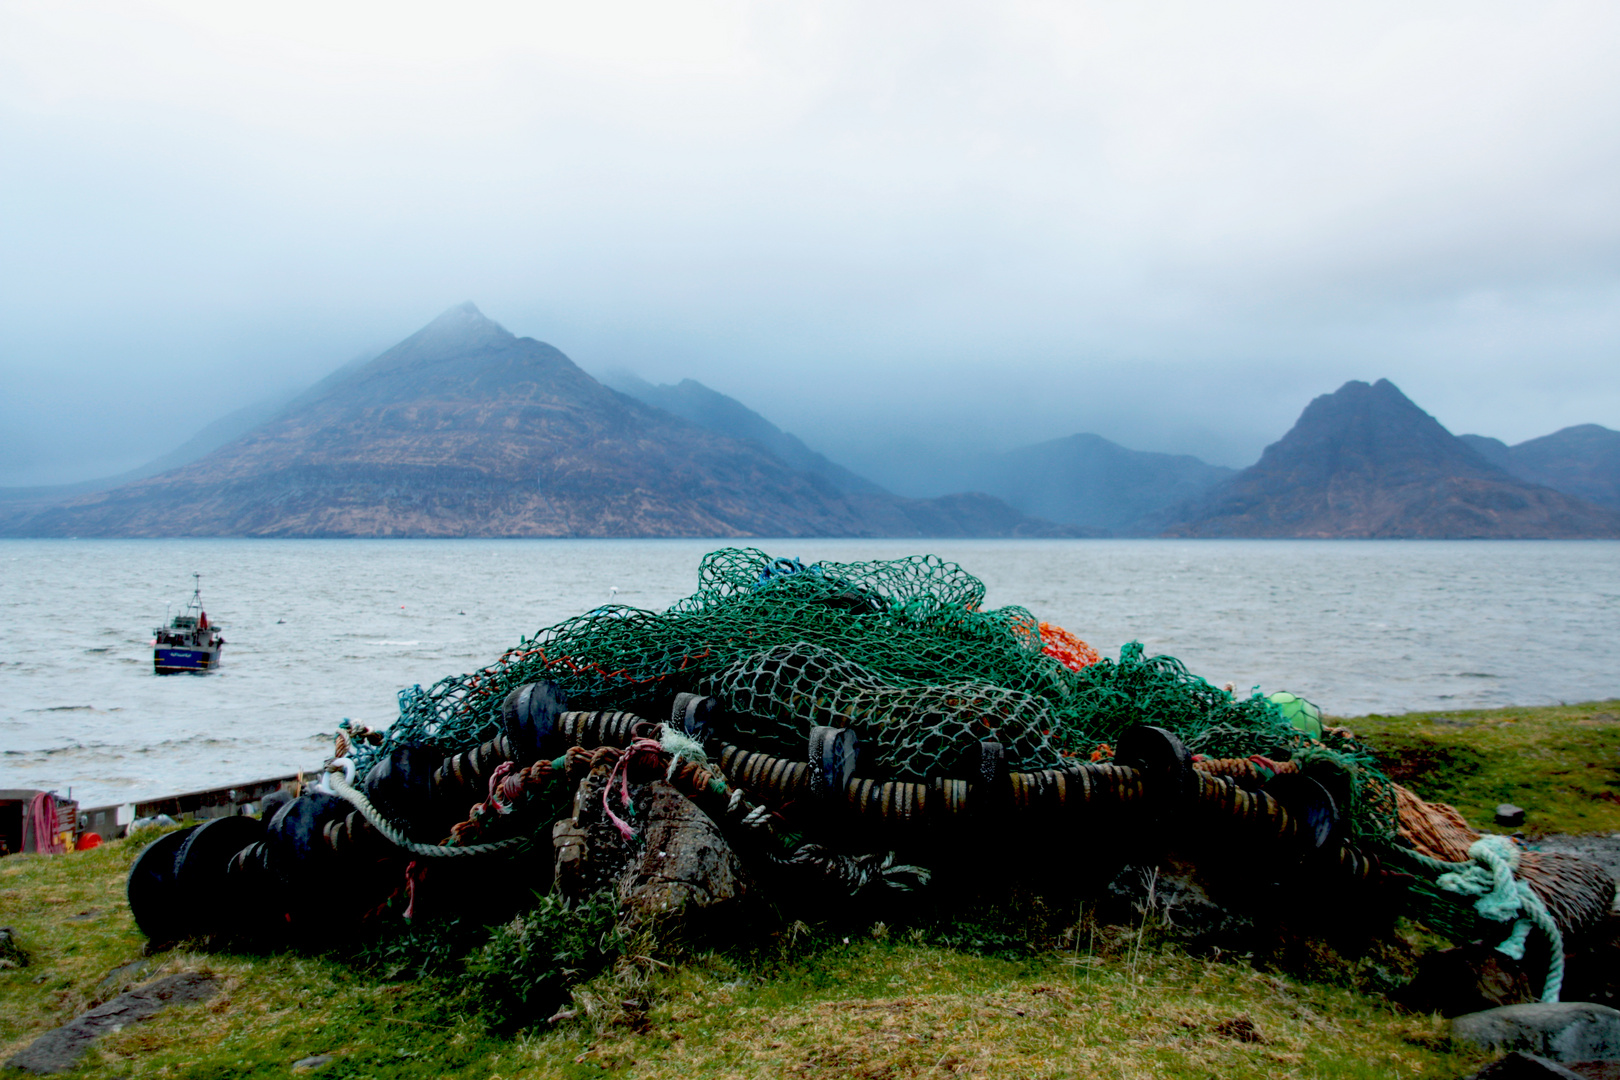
(1110, 1002)
(1114, 1004)
(1561, 763)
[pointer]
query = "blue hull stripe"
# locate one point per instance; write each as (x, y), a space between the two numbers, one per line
(181, 658)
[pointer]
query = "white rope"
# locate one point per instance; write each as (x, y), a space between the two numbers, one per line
(678, 745)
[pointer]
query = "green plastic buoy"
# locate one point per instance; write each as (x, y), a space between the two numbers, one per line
(1299, 712)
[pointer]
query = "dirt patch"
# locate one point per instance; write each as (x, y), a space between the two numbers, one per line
(1423, 764)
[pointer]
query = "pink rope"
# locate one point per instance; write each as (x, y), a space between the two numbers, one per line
(496, 792)
(413, 878)
(621, 770)
(42, 815)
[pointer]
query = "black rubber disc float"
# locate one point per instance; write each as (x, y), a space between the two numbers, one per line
(1164, 761)
(698, 717)
(154, 899)
(834, 753)
(296, 849)
(529, 717)
(992, 782)
(1309, 803)
(400, 786)
(200, 867)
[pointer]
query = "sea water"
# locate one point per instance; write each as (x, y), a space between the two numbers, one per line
(319, 630)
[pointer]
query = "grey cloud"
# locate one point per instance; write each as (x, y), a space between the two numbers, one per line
(928, 225)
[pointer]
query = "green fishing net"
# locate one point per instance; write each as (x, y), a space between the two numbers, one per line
(901, 650)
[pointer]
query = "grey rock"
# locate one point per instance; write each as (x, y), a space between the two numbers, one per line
(686, 866)
(1521, 1066)
(1509, 815)
(121, 978)
(311, 1063)
(1560, 1030)
(58, 1049)
(1175, 897)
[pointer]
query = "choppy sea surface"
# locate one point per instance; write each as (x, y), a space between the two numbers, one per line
(325, 629)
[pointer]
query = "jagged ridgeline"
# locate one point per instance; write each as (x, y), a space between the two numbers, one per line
(903, 651)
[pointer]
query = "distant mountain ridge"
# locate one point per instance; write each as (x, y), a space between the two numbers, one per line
(1366, 462)
(464, 429)
(1083, 480)
(1583, 461)
(1087, 480)
(691, 400)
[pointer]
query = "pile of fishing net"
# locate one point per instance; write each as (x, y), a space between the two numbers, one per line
(902, 651)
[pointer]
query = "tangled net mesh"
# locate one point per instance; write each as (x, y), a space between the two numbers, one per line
(901, 650)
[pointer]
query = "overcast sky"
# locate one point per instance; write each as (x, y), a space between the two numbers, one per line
(878, 224)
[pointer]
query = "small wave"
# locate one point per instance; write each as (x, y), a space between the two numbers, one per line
(104, 648)
(1476, 675)
(393, 643)
(66, 708)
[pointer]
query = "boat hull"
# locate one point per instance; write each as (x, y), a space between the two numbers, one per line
(167, 660)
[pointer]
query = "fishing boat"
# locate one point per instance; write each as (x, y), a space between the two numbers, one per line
(188, 643)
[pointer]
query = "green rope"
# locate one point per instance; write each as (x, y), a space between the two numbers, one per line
(1501, 897)
(396, 836)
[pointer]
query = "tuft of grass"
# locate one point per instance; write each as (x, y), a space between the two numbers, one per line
(1560, 762)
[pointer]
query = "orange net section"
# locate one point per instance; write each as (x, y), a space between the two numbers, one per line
(1067, 649)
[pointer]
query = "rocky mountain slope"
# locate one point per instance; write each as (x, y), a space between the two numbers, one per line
(464, 429)
(1583, 461)
(1365, 461)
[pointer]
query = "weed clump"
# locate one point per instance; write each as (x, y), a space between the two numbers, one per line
(527, 966)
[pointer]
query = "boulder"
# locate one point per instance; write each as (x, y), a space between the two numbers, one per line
(1560, 1030)
(1522, 1066)
(685, 867)
(1509, 816)
(676, 869)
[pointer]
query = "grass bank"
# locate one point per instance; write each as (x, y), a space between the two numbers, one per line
(875, 1003)
(1561, 762)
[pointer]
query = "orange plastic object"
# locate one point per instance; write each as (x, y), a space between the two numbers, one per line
(1069, 650)
(87, 841)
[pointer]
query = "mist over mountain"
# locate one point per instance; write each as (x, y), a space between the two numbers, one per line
(1083, 480)
(691, 400)
(1088, 480)
(1365, 461)
(464, 429)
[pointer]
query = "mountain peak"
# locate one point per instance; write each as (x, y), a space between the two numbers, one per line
(1367, 461)
(463, 318)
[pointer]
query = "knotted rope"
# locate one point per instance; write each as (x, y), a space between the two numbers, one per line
(1502, 897)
